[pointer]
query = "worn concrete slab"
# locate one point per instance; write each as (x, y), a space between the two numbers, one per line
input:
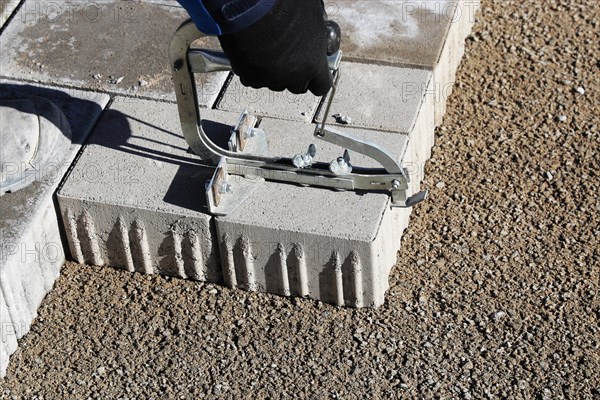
(135, 198)
(338, 247)
(32, 249)
(92, 45)
(399, 32)
(425, 34)
(6, 9)
(283, 105)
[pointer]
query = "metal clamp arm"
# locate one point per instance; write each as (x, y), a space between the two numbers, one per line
(186, 61)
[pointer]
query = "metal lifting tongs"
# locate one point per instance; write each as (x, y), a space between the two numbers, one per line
(247, 158)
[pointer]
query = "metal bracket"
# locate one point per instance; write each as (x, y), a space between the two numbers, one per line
(246, 137)
(224, 193)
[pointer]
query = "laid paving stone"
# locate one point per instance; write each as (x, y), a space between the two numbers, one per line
(113, 46)
(399, 32)
(425, 34)
(282, 105)
(337, 247)
(6, 9)
(32, 250)
(135, 198)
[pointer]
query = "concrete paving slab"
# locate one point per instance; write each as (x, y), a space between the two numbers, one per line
(113, 46)
(283, 105)
(379, 97)
(330, 246)
(399, 32)
(6, 9)
(337, 247)
(425, 34)
(152, 217)
(135, 198)
(32, 249)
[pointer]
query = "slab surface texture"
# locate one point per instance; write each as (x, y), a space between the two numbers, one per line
(114, 46)
(32, 249)
(281, 105)
(398, 32)
(379, 97)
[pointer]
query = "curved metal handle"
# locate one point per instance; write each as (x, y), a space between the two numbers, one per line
(204, 61)
(183, 67)
(185, 61)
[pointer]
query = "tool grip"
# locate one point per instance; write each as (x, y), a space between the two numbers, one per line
(203, 61)
(334, 37)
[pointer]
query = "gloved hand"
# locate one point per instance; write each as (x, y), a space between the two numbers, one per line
(285, 49)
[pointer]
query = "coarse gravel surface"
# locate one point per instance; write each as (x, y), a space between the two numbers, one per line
(495, 294)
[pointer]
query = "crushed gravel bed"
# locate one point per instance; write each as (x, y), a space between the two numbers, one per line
(496, 289)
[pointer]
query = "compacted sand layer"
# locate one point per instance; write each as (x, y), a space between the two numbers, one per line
(495, 294)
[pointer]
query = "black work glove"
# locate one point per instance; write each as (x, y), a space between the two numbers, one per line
(285, 49)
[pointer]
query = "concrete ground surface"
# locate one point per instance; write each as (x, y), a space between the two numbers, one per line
(495, 293)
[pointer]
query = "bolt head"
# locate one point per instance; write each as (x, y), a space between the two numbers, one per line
(226, 187)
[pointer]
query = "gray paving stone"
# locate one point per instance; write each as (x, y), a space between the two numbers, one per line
(425, 34)
(135, 198)
(152, 218)
(400, 32)
(83, 44)
(6, 9)
(337, 247)
(310, 242)
(32, 250)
